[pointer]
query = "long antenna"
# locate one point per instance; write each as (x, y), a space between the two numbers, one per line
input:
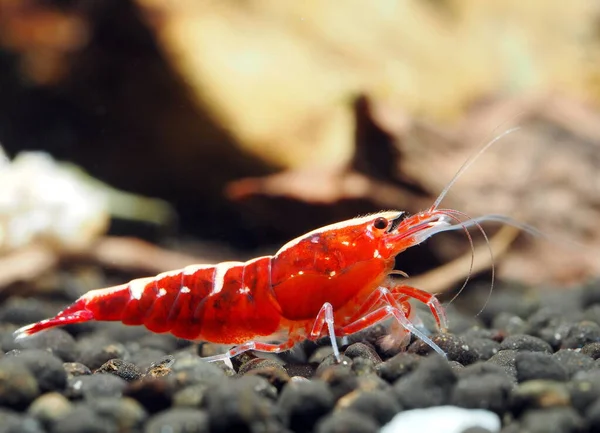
(468, 163)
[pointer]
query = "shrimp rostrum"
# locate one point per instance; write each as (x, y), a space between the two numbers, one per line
(333, 281)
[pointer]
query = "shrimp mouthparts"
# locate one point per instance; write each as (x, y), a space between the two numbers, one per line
(432, 226)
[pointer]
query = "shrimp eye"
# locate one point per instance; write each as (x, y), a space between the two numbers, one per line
(380, 223)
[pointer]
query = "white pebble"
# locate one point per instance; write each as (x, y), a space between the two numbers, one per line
(447, 419)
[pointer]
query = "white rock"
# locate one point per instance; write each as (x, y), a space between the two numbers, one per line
(447, 419)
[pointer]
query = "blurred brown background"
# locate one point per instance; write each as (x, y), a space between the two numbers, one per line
(262, 119)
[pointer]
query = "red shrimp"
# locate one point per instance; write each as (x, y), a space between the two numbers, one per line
(332, 281)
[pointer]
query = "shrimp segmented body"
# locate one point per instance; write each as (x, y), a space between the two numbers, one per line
(333, 281)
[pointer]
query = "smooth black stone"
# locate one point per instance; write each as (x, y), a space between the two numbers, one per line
(430, 384)
(83, 419)
(573, 361)
(340, 378)
(525, 342)
(18, 385)
(584, 389)
(361, 350)
(96, 351)
(592, 350)
(398, 366)
(241, 405)
(375, 404)
(537, 365)
(57, 340)
(455, 348)
(507, 360)
(301, 404)
(539, 394)
(581, 334)
(554, 420)
(346, 422)
(488, 391)
(13, 422)
(179, 420)
(127, 414)
(95, 386)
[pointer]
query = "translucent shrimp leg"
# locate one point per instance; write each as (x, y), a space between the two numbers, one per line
(251, 345)
(388, 311)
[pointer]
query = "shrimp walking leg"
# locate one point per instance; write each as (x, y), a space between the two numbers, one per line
(385, 312)
(325, 317)
(251, 345)
(401, 293)
(428, 299)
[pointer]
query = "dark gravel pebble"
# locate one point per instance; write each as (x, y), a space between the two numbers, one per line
(178, 420)
(301, 404)
(592, 350)
(363, 366)
(555, 420)
(573, 361)
(507, 360)
(431, 384)
(539, 394)
(592, 314)
(192, 370)
(582, 333)
(511, 324)
(247, 404)
(550, 325)
(361, 350)
(330, 361)
(57, 340)
(590, 293)
(160, 368)
(83, 419)
(18, 386)
(191, 396)
(47, 368)
(49, 408)
(13, 422)
(320, 354)
(375, 404)
(74, 369)
(22, 311)
(94, 352)
(346, 422)
(483, 347)
(124, 370)
(126, 413)
(146, 357)
(592, 415)
(482, 368)
(95, 386)
(300, 370)
(163, 343)
(517, 301)
(456, 348)
(273, 371)
(536, 365)
(154, 394)
(525, 342)
(340, 378)
(398, 366)
(584, 389)
(489, 391)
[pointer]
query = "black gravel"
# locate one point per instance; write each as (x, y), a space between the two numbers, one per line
(532, 357)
